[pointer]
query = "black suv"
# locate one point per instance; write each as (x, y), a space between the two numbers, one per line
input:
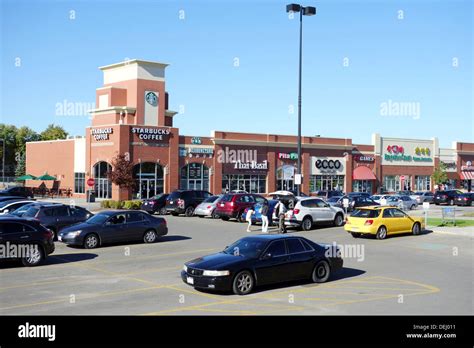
(16, 231)
(57, 216)
(185, 201)
(446, 197)
(18, 191)
(155, 204)
(329, 194)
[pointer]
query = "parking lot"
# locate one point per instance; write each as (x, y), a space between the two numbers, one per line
(426, 274)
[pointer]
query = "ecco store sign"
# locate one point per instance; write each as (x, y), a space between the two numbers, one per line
(327, 165)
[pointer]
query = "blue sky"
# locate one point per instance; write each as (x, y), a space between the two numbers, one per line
(407, 60)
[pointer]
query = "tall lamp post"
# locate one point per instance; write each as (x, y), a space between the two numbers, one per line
(303, 11)
(3, 160)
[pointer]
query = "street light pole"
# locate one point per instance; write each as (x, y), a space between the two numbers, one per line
(307, 11)
(3, 161)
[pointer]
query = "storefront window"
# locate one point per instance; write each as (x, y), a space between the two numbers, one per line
(362, 186)
(326, 183)
(422, 183)
(103, 186)
(194, 176)
(79, 182)
(249, 183)
(149, 180)
(391, 184)
(285, 175)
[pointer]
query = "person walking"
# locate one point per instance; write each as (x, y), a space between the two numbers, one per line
(280, 211)
(264, 213)
(248, 218)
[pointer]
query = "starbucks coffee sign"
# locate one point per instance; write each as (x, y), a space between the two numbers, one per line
(100, 134)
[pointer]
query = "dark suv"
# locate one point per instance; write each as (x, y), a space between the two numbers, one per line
(329, 194)
(232, 206)
(155, 204)
(446, 197)
(185, 201)
(18, 191)
(56, 216)
(28, 232)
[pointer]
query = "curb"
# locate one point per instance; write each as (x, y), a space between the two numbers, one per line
(455, 233)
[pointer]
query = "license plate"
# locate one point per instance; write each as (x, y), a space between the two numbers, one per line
(171, 202)
(355, 229)
(190, 280)
(222, 204)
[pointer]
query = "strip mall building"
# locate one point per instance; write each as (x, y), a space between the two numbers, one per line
(133, 118)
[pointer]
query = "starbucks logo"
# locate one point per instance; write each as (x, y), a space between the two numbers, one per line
(151, 98)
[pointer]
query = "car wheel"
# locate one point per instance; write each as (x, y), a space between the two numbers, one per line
(381, 233)
(241, 217)
(307, 223)
(163, 211)
(416, 229)
(355, 234)
(174, 214)
(91, 241)
(189, 211)
(413, 207)
(35, 257)
(201, 216)
(321, 272)
(150, 236)
(214, 215)
(243, 283)
(225, 218)
(338, 220)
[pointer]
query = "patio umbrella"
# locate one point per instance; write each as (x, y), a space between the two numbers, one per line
(46, 177)
(26, 177)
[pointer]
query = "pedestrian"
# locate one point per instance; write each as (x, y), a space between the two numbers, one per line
(280, 211)
(248, 218)
(264, 213)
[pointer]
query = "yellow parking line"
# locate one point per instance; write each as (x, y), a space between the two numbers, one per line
(195, 292)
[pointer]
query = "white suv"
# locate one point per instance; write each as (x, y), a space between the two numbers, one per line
(310, 210)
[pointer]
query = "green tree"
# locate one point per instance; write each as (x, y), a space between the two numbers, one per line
(8, 134)
(21, 165)
(439, 175)
(122, 172)
(54, 132)
(24, 135)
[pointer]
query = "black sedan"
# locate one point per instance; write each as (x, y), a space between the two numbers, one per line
(155, 204)
(465, 199)
(114, 226)
(260, 260)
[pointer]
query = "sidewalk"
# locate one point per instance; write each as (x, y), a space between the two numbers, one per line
(457, 231)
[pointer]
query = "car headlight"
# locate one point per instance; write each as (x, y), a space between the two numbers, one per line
(74, 234)
(216, 273)
(185, 268)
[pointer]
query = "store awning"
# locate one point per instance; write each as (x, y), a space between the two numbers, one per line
(467, 175)
(363, 173)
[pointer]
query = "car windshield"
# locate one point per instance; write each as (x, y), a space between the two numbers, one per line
(246, 247)
(31, 212)
(174, 195)
(98, 219)
(226, 198)
(2, 204)
(211, 199)
(19, 211)
(158, 196)
(366, 213)
(334, 199)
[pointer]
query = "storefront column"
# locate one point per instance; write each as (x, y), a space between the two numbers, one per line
(306, 171)
(173, 162)
(216, 178)
(348, 178)
(271, 174)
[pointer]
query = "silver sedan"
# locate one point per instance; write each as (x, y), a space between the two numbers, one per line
(402, 202)
(207, 207)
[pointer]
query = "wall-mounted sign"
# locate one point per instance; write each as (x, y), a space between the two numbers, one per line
(101, 133)
(327, 165)
(468, 166)
(151, 98)
(196, 151)
(450, 166)
(402, 152)
(364, 158)
(290, 156)
(158, 134)
(196, 140)
(254, 165)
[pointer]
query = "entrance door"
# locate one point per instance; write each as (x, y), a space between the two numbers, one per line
(103, 188)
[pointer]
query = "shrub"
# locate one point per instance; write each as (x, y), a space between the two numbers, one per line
(105, 204)
(134, 204)
(116, 204)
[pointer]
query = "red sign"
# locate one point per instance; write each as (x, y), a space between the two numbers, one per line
(395, 149)
(90, 182)
(402, 177)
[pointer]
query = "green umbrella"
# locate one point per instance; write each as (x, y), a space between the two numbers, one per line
(46, 177)
(26, 177)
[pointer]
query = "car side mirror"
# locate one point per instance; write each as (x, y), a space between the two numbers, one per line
(267, 256)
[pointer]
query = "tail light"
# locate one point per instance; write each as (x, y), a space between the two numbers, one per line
(232, 203)
(368, 222)
(296, 211)
(152, 202)
(180, 203)
(209, 206)
(48, 234)
(164, 222)
(465, 198)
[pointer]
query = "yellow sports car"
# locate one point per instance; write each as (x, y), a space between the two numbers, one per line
(382, 221)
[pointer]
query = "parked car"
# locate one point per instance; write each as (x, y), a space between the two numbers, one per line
(358, 194)
(378, 198)
(21, 210)
(57, 216)
(10, 198)
(405, 193)
(310, 211)
(422, 197)
(260, 260)
(357, 201)
(155, 204)
(185, 201)
(401, 202)
(10, 206)
(232, 206)
(335, 201)
(115, 226)
(238, 191)
(446, 197)
(207, 207)
(257, 216)
(328, 194)
(382, 221)
(19, 191)
(26, 231)
(465, 199)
